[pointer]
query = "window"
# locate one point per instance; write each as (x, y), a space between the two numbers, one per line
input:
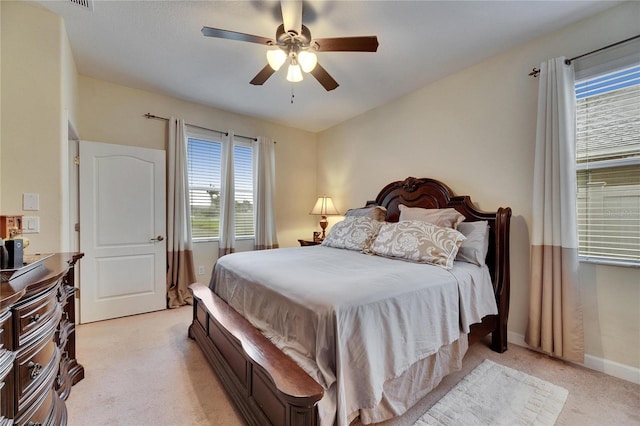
(608, 166)
(204, 164)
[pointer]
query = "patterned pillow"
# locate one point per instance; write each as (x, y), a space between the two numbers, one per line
(474, 249)
(448, 218)
(418, 241)
(378, 213)
(353, 233)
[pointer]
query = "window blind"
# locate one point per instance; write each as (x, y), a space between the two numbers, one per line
(608, 165)
(243, 175)
(204, 173)
(203, 159)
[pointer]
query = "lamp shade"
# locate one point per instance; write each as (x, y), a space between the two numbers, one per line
(294, 73)
(276, 58)
(307, 60)
(324, 206)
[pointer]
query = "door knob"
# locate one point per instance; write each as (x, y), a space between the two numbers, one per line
(158, 238)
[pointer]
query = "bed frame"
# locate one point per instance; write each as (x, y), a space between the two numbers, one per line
(266, 385)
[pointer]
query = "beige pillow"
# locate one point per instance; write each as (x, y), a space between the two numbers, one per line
(448, 218)
(353, 233)
(474, 249)
(378, 213)
(418, 241)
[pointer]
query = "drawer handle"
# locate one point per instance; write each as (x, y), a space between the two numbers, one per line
(34, 369)
(34, 318)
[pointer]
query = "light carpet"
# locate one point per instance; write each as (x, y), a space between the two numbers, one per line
(493, 394)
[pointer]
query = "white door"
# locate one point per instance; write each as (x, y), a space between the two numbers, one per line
(122, 229)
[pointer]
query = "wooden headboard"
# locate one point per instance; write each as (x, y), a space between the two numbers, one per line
(432, 194)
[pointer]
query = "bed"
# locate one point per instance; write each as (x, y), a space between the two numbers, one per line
(274, 379)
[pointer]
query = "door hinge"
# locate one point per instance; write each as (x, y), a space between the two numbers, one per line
(76, 160)
(77, 291)
(77, 227)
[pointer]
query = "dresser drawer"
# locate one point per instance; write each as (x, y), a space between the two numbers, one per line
(40, 411)
(5, 331)
(31, 315)
(6, 383)
(36, 369)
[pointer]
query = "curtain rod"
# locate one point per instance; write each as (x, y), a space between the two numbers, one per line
(535, 71)
(156, 117)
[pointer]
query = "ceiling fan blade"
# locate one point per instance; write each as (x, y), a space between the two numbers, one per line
(292, 15)
(262, 76)
(347, 44)
(324, 78)
(232, 35)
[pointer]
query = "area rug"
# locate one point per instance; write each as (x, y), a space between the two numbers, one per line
(493, 394)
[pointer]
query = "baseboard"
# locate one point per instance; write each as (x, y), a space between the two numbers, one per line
(516, 339)
(612, 368)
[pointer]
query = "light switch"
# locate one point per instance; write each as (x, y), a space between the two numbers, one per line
(30, 201)
(30, 224)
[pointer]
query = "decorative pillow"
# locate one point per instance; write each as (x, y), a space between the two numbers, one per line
(378, 213)
(448, 218)
(418, 241)
(474, 249)
(353, 233)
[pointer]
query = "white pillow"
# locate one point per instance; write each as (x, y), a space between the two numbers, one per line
(474, 249)
(448, 218)
(378, 213)
(353, 233)
(418, 241)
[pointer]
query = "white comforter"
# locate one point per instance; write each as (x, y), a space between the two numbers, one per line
(351, 320)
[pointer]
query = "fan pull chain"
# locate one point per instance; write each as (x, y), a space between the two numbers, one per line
(292, 95)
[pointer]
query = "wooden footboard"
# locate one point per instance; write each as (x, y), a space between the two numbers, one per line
(267, 386)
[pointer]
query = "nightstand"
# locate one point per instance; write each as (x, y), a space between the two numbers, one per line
(305, 243)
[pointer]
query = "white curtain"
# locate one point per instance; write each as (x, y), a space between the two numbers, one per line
(180, 269)
(555, 313)
(227, 198)
(264, 190)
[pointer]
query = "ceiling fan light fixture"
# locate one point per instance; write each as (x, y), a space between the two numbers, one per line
(294, 41)
(294, 73)
(276, 58)
(307, 60)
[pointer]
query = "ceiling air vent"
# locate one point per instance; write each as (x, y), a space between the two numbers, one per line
(86, 4)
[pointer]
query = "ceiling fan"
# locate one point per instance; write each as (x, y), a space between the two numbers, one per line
(293, 42)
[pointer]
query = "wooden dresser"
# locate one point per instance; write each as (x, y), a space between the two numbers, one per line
(37, 343)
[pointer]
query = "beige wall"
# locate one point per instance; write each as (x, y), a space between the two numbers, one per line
(69, 85)
(33, 116)
(0, 109)
(42, 95)
(475, 131)
(114, 114)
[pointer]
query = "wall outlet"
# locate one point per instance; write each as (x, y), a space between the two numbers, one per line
(200, 270)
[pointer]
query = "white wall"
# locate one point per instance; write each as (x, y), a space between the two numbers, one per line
(475, 131)
(114, 114)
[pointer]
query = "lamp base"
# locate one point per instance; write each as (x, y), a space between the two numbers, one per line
(323, 225)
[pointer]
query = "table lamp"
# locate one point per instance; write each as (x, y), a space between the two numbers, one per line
(324, 206)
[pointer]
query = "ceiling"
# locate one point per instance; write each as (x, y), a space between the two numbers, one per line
(158, 46)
